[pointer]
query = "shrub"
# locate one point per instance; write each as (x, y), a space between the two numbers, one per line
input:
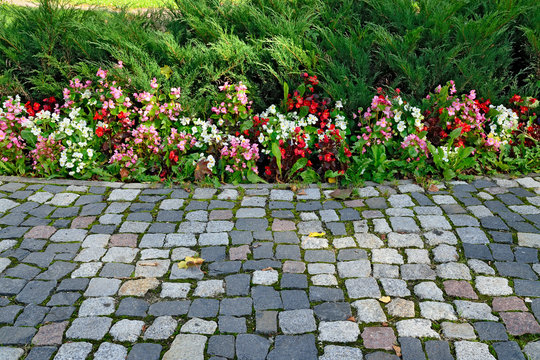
(352, 46)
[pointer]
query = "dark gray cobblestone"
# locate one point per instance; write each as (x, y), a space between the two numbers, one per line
(90, 270)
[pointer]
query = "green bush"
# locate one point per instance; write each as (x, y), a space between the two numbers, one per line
(353, 46)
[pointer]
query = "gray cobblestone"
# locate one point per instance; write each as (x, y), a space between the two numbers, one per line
(262, 273)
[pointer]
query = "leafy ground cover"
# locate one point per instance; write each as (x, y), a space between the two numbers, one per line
(185, 98)
(102, 128)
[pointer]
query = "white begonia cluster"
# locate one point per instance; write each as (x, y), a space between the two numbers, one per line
(504, 122)
(86, 94)
(76, 155)
(416, 114)
(401, 125)
(205, 132)
(35, 123)
(284, 125)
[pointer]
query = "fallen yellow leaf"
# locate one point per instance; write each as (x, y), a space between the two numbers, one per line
(332, 180)
(397, 349)
(317, 234)
(385, 299)
(190, 261)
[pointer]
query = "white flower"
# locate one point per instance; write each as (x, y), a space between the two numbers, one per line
(261, 138)
(90, 153)
(339, 104)
(401, 126)
(86, 94)
(397, 116)
(211, 162)
(74, 113)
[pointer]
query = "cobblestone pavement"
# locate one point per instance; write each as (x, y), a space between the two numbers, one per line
(89, 270)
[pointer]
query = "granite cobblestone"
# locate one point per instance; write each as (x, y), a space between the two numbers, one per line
(87, 269)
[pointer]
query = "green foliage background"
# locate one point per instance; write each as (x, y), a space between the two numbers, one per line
(354, 46)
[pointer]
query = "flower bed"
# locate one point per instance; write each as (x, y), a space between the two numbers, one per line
(104, 129)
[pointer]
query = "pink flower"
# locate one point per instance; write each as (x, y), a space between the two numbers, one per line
(224, 87)
(116, 92)
(101, 73)
(153, 83)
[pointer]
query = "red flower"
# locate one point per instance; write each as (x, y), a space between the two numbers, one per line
(325, 115)
(171, 155)
(516, 98)
(100, 131)
(36, 106)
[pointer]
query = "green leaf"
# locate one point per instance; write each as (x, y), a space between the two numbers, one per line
(301, 89)
(304, 110)
(254, 178)
(276, 151)
(246, 125)
(449, 174)
(331, 174)
(29, 137)
(285, 93)
(454, 134)
(300, 163)
(309, 176)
